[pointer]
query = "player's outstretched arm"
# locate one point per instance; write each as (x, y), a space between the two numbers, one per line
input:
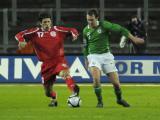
(20, 36)
(136, 40)
(73, 31)
(21, 41)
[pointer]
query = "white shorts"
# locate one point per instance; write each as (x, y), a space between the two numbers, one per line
(105, 62)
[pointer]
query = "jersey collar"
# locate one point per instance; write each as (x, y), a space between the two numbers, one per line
(44, 30)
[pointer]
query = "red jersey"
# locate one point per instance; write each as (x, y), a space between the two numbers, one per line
(48, 45)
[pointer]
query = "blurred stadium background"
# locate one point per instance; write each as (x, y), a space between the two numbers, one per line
(27, 101)
(16, 15)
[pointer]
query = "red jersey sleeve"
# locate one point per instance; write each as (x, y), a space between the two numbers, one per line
(73, 31)
(25, 34)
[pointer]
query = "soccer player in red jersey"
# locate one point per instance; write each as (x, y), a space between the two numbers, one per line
(47, 42)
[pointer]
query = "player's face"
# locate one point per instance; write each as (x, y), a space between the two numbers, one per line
(134, 20)
(46, 23)
(92, 20)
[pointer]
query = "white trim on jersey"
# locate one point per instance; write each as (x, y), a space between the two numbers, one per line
(16, 38)
(55, 27)
(27, 33)
(31, 32)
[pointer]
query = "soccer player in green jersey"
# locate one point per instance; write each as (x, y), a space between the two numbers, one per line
(98, 56)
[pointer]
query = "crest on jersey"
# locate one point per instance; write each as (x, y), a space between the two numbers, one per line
(88, 33)
(99, 30)
(53, 34)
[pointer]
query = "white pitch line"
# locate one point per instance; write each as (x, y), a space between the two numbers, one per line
(62, 85)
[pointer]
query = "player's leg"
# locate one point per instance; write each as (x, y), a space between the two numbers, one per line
(48, 84)
(131, 49)
(110, 70)
(96, 73)
(62, 70)
(69, 81)
(113, 76)
(94, 64)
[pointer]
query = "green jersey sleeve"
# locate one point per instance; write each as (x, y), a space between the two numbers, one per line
(115, 28)
(85, 45)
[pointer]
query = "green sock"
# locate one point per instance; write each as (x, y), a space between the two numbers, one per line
(118, 93)
(98, 93)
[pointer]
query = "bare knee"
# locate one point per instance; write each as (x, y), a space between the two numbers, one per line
(114, 78)
(96, 82)
(96, 74)
(64, 73)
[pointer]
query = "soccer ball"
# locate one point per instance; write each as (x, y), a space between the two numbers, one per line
(74, 101)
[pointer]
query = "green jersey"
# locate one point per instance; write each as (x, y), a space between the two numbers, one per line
(96, 40)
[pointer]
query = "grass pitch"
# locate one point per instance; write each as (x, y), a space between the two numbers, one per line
(27, 102)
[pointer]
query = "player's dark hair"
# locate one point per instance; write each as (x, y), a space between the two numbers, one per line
(134, 16)
(93, 12)
(43, 15)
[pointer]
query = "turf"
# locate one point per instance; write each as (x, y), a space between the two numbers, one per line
(21, 102)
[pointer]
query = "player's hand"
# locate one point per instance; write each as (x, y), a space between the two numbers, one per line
(136, 40)
(22, 45)
(75, 37)
(75, 34)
